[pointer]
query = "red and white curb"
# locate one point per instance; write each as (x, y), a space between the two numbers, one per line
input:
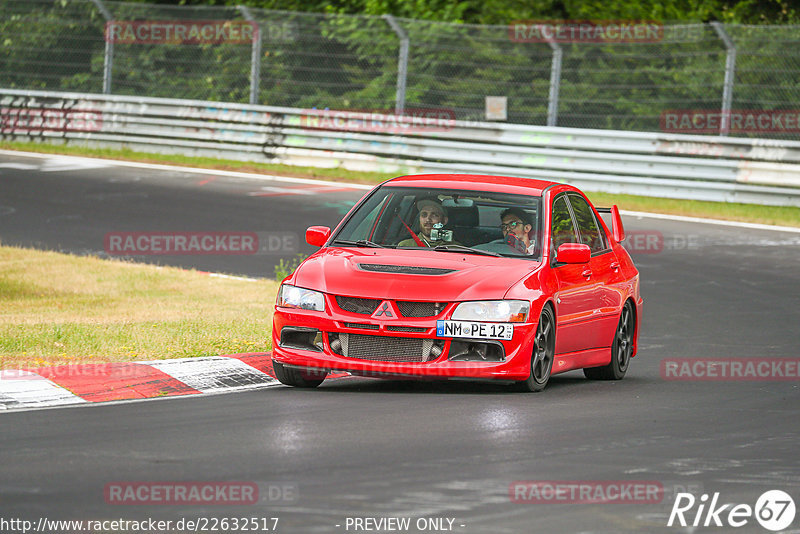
(103, 382)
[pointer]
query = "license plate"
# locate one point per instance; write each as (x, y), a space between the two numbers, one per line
(474, 330)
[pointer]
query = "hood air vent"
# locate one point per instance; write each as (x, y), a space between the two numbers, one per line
(404, 269)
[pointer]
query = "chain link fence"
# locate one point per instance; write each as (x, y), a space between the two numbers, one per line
(304, 60)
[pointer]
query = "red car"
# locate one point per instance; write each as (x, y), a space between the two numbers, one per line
(461, 276)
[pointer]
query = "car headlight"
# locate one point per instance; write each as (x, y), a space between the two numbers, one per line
(298, 297)
(498, 311)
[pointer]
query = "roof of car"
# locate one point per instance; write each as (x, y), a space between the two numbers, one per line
(505, 184)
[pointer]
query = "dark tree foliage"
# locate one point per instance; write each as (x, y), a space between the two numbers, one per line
(319, 55)
(504, 11)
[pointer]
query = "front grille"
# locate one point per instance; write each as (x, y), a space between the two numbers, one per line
(385, 348)
(420, 309)
(363, 326)
(357, 305)
(404, 269)
(414, 329)
(407, 308)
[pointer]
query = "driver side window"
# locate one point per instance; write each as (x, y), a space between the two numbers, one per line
(562, 229)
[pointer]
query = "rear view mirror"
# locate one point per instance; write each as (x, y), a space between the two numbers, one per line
(317, 236)
(573, 253)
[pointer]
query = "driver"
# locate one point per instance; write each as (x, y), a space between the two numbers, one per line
(431, 213)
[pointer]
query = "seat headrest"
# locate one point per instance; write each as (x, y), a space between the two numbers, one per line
(466, 216)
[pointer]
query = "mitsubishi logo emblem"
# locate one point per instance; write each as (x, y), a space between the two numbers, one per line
(384, 310)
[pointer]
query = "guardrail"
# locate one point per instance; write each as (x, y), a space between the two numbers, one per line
(667, 165)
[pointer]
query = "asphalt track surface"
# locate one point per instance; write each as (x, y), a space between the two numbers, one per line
(358, 448)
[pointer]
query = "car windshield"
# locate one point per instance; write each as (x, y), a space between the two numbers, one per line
(447, 221)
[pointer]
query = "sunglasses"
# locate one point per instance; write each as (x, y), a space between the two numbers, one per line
(511, 225)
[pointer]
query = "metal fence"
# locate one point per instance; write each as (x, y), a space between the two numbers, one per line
(304, 60)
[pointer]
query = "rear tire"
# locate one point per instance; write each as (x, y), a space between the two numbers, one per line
(544, 349)
(621, 349)
(298, 378)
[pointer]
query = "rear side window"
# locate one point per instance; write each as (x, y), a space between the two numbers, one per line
(588, 228)
(563, 231)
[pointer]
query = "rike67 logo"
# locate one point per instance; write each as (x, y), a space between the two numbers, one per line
(774, 510)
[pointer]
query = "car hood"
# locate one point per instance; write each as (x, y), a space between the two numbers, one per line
(411, 274)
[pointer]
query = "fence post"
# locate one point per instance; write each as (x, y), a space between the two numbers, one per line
(108, 57)
(402, 65)
(555, 83)
(255, 55)
(730, 67)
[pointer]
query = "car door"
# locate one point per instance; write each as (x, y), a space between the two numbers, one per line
(575, 298)
(602, 277)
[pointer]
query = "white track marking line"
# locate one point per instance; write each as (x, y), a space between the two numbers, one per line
(197, 170)
(213, 373)
(737, 224)
(25, 389)
(19, 166)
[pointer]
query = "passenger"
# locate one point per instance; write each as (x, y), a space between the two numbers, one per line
(516, 225)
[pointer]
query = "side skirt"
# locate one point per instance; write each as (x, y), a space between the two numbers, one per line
(578, 360)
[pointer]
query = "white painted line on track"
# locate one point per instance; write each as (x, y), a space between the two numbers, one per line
(737, 224)
(71, 163)
(197, 170)
(213, 373)
(24, 389)
(19, 166)
(289, 179)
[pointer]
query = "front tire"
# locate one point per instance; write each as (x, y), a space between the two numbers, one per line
(543, 353)
(298, 378)
(621, 349)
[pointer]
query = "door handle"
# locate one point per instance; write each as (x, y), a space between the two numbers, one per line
(615, 265)
(587, 273)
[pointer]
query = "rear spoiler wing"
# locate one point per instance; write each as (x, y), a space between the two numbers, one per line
(617, 230)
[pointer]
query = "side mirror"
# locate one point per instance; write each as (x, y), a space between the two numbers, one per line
(617, 231)
(317, 235)
(573, 253)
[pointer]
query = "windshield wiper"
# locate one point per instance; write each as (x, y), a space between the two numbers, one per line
(462, 248)
(360, 243)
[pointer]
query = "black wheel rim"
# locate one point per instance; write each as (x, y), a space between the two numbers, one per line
(543, 349)
(624, 338)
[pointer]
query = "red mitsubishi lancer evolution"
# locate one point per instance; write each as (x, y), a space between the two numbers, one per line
(462, 276)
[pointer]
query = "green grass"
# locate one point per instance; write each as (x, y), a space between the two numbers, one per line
(59, 309)
(781, 216)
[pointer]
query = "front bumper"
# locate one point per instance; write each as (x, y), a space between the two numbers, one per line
(516, 352)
